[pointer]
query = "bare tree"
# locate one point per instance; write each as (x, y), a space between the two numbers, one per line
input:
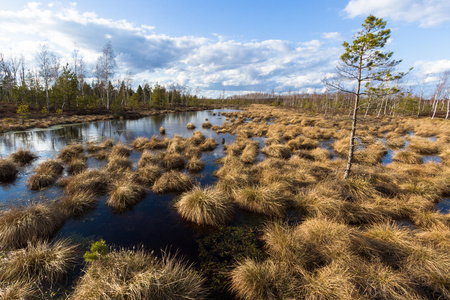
(106, 64)
(47, 62)
(439, 94)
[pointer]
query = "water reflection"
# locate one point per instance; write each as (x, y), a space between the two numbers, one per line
(153, 222)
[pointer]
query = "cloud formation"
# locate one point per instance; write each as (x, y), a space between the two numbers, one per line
(213, 64)
(427, 13)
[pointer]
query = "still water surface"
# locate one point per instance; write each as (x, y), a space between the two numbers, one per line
(153, 222)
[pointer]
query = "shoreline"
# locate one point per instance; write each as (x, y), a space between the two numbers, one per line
(10, 121)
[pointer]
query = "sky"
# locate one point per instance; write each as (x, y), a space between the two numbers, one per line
(233, 47)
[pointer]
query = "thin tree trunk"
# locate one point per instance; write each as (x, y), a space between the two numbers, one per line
(351, 147)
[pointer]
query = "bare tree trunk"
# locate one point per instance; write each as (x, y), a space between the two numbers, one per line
(351, 147)
(448, 108)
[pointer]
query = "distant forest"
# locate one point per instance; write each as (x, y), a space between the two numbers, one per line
(53, 86)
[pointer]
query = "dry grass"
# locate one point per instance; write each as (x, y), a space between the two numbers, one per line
(140, 143)
(50, 166)
(157, 143)
(76, 166)
(90, 181)
(266, 200)
(77, 204)
(195, 165)
(395, 143)
(266, 280)
(250, 153)
(136, 275)
(302, 143)
(17, 291)
(173, 181)
(119, 164)
(190, 126)
(148, 158)
(124, 194)
(173, 161)
(210, 144)
(120, 150)
(22, 157)
(71, 151)
(206, 125)
(162, 130)
(423, 146)
(22, 224)
(8, 170)
(407, 157)
(278, 151)
(40, 181)
(148, 174)
(208, 206)
(40, 262)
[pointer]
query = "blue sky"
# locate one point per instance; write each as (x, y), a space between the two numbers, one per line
(236, 46)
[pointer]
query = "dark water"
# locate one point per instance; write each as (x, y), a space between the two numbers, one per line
(443, 206)
(153, 222)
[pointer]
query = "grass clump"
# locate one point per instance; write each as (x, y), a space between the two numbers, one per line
(190, 126)
(266, 280)
(51, 166)
(206, 125)
(209, 145)
(162, 130)
(46, 174)
(173, 161)
(139, 143)
(266, 200)
(136, 274)
(91, 181)
(250, 153)
(8, 170)
(77, 204)
(277, 151)
(148, 158)
(120, 150)
(22, 157)
(407, 157)
(71, 151)
(423, 146)
(17, 290)
(76, 166)
(173, 181)
(195, 165)
(40, 262)
(22, 224)
(124, 194)
(208, 206)
(148, 174)
(119, 164)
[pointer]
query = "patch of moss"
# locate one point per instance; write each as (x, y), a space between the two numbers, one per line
(221, 250)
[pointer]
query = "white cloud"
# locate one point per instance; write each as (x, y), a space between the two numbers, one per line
(431, 68)
(213, 64)
(427, 12)
(332, 36)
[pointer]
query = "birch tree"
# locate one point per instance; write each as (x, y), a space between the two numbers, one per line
(106, 64)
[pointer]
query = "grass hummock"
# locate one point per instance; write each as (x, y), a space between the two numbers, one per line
(137, 274)
(8, 170)
(173, 181)
(40, 262)
(22, 224)
(124, 194)
(23, 157)
(207, 206)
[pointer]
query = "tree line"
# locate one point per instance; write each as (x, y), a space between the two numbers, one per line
(55, 86)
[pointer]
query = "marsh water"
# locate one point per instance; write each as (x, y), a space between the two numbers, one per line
(152, 223)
